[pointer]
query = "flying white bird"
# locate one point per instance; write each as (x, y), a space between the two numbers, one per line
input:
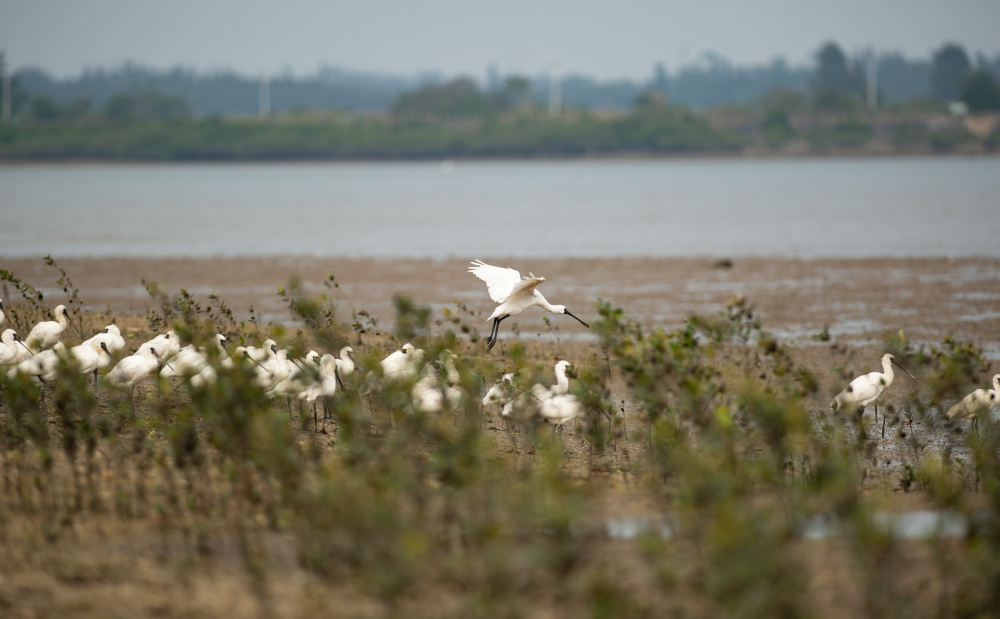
(134, 369)
(977, 403)
(45, 334)
(866, 389)
(514, 294)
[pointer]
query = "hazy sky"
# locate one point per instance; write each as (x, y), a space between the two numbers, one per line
(604, 39)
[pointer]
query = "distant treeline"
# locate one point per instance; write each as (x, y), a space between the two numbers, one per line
(710, 82)
(832, 108)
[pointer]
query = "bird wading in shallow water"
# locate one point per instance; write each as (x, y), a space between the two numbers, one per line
(514, 294)
(866, 389)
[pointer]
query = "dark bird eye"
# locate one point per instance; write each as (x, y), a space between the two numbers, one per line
(850, 389)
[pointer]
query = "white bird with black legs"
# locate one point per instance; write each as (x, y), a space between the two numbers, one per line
(514, 294)
(133, 370)
(45, 334)
(325, 387)
(977, 403)
(866, 389)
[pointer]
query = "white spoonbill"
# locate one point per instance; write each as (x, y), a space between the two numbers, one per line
(191, 360)
(979, 402)
(402, 363)
(527, 404)
(346, 363)
(514, 294)
(501, 392)
(561, 409)
(112, 337)
(12, 349)
(134, 369)
(167, 345)
(866, 389)
(45, 334)
(91, 356)
(324, 387)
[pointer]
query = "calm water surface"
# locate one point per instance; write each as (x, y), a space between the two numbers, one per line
(805, 208)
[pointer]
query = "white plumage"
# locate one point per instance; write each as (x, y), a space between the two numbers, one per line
(12, 349)
(45, 334)
(514, 294)
(134, 369)
(979, 402)
(866, 388)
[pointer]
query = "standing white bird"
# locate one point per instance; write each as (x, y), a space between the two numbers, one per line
(528, 403)
(402, 363)
(325, 387)
(560, 409)
(134, 369)
(501, 392)
(112, 337)
(514, 294)
(191, 360)
(979, 402)
(12, 349)
(167, 345)
(45, 334)
(866, 389)
(346, 363)
(91, 356)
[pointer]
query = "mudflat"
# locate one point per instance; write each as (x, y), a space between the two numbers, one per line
(858, 299)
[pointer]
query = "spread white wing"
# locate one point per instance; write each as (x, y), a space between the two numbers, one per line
(500, 281)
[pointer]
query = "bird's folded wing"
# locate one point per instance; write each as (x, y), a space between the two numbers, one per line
(500, 281)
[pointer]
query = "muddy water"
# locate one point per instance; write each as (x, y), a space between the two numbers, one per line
(733, 208)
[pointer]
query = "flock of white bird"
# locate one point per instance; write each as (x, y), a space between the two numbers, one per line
(436, 387)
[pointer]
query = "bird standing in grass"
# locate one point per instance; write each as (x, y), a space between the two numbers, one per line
(866, 389)
(134, 369)
(514, 294)
(977, 403)
(45, 334)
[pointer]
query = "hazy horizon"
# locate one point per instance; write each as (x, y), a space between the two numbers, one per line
(606, 41)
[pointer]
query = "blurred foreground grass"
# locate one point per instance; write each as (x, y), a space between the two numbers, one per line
(711, 441)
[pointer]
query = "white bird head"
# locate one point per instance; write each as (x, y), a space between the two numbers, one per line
(407, 348)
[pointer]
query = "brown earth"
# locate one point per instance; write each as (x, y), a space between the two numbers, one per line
(109, 568)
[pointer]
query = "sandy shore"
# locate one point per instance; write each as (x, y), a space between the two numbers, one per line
(860, 299)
